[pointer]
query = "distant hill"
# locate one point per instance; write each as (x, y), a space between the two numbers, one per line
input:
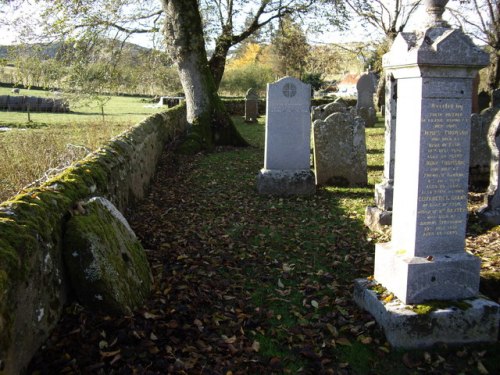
(50, 50)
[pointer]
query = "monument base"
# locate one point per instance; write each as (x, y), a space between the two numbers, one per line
(376, 218)
(285, 182)
(474, 320)
(418, 279)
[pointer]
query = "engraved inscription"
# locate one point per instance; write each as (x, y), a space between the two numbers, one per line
(293, 108)
(443, 189)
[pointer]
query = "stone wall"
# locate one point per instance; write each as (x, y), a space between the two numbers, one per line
(33, 284)
(236, 107)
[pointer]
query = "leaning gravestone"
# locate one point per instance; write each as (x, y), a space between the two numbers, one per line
(106, 263)
(340, 150)
(491, 211)
(288, 135)
(251, 106)
(426, 258)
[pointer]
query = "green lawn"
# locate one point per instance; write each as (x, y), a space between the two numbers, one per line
(123, 109)
(54, 140)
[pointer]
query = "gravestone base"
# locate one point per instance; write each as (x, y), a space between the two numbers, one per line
(285, 182)
(417, 279)
(489, 215)
(474, 320)
(376, 218)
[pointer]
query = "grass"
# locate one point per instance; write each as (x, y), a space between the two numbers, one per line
(54, 140)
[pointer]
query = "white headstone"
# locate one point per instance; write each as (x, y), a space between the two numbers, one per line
(287, 145)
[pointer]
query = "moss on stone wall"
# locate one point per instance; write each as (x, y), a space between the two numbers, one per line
(31, 227)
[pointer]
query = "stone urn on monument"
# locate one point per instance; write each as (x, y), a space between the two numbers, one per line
(426, 262)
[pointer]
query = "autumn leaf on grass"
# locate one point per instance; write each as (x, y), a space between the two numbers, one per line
(288, 267)
(109, 354)
(389, 298)
(229, 340)
(255, 346)
(481, 368)
(343, 341)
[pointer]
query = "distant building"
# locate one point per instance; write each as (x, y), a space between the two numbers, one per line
(347, 86)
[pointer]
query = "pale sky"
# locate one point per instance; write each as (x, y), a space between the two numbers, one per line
(355, 34)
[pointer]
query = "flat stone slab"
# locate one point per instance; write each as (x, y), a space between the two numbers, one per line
(475, 321)
(285, 182)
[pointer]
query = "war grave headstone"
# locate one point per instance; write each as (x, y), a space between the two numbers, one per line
(426, 258)
(490, 212)
(340, 150)
(287, 162)
(365, 105)
(251, 105)
(381, 214)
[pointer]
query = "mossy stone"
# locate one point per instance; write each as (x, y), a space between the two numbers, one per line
(107, 265)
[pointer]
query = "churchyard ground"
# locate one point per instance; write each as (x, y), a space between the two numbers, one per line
(246, 283)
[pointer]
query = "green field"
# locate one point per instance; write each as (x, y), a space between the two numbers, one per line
(51, 141)
(118, 109)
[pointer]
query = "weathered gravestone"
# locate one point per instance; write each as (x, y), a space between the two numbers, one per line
(321, 112)
(381, 214)
(480, 153)
(490, 212)
(251, 106)
(426, 258)
(340, 150)
(288, 135)
(365, 105)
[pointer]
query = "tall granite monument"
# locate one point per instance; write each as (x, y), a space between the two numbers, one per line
(426, 258)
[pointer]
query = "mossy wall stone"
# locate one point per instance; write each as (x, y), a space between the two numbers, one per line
(33, 281)
(105, 261)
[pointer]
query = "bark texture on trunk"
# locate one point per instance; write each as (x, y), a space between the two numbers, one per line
(211, 124)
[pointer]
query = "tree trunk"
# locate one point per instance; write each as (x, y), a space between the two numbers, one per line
(217, 62)
(211, 124)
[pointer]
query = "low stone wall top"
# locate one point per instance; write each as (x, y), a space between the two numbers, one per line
(33, 284)
(236, 107)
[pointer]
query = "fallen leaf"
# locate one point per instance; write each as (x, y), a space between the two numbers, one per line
(343, 341)
(314, 304)
(256, 346)
(280, 284)
(389, 298)
(109, 354)
(481, 368)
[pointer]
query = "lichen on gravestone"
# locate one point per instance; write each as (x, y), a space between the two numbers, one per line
(105, 261)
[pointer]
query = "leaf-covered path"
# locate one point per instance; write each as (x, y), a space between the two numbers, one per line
(245, 284)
